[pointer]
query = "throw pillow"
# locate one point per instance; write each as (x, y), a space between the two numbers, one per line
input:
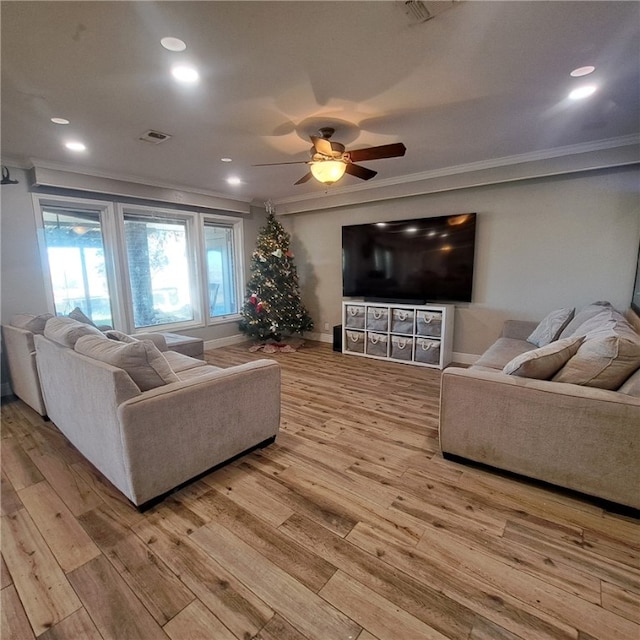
(29, 322)
(550, 327)
(604, 360)
(79, 315)
(582, 316)
(66, 331)
(632, 386)
(542, 363)
(141, 359)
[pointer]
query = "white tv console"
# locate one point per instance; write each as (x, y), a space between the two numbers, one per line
(412, 334)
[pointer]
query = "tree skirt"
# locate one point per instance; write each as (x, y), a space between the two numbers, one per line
(288, 346)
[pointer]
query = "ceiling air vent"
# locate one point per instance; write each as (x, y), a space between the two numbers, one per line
(418, 11)
(155, 137)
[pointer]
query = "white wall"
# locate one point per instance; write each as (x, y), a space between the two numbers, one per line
(541, 244)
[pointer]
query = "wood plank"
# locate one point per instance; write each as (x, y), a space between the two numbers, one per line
(43, 588)
(303, 565)
(17, 465)
(196, 622)
(73, 490)
(75, 627)
(374, 612)
(113, 607)
(624, 603)
(279, 629)
(424, 603)
(5, 576)
(237, 606)
(301, 606)
(466, 589)
(68, 541)
(9, 500)
(13, 620)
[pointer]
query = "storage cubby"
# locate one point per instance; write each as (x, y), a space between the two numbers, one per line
(413, 334)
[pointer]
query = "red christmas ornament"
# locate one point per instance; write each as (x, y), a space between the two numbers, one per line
(253, 299)
(259, 307)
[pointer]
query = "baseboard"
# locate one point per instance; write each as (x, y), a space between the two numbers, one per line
(465, 358)
(225, 342)
(319, 337)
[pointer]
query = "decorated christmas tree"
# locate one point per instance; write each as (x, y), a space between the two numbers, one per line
(272, 308)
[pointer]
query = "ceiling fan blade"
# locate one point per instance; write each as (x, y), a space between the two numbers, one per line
(305, 178)
(272, 164)
(376, 153)
(360, 172)
(326, 147)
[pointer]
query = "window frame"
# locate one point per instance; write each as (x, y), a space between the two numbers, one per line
(237, 226)
(112, 223)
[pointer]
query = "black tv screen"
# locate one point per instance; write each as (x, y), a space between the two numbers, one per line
(421, 260)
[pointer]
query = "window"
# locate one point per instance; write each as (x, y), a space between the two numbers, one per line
(160, 281)
(77, 267)
(222, 280)
(140, 267)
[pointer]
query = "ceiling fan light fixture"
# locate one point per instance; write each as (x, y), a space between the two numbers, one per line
(328, 171)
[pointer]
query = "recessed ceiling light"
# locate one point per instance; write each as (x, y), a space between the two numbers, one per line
(234, 180)
(583, 92)
(59, 121)
(381, 224)
(75, 146)
(185, 74)
(173, 44)
(582, 71)
(226, 160)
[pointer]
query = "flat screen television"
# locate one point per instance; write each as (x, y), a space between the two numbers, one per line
(412, 261)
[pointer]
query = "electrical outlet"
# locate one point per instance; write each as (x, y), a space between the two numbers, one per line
(326, 325)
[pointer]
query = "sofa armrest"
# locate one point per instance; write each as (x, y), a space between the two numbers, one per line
(157, 338)
(518, 329)
(20, 352)
(577, 437)
(173, 433)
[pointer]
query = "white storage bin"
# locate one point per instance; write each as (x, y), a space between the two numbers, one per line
(377, 344)
(377, 318)
(427, 351)
(402, 348)
(429, 323)
(354, 316)
(354, 341)
(402, 320)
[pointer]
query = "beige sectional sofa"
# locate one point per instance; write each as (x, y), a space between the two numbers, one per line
(150, 420)
(566, 412)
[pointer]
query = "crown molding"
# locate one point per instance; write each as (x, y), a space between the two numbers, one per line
(62, 176)
(599, 154)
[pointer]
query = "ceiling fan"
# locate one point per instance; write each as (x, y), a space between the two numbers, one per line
(330, 161)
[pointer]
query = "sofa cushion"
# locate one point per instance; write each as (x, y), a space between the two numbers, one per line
(604, 360)
(179, 362)
(66, 331)
(543, 362)
(29, 322)
(582, 316)
(551, 327)
(119, 336)
(632, 385)
(141, 359)
(502, 351)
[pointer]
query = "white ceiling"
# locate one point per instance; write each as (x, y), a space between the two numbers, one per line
(481, 80)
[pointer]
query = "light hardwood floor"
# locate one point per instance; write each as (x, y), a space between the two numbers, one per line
(351, 525)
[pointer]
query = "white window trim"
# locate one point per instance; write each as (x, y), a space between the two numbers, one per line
(193, 242)
(237, 226)
(105, 210)
(112, 225)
